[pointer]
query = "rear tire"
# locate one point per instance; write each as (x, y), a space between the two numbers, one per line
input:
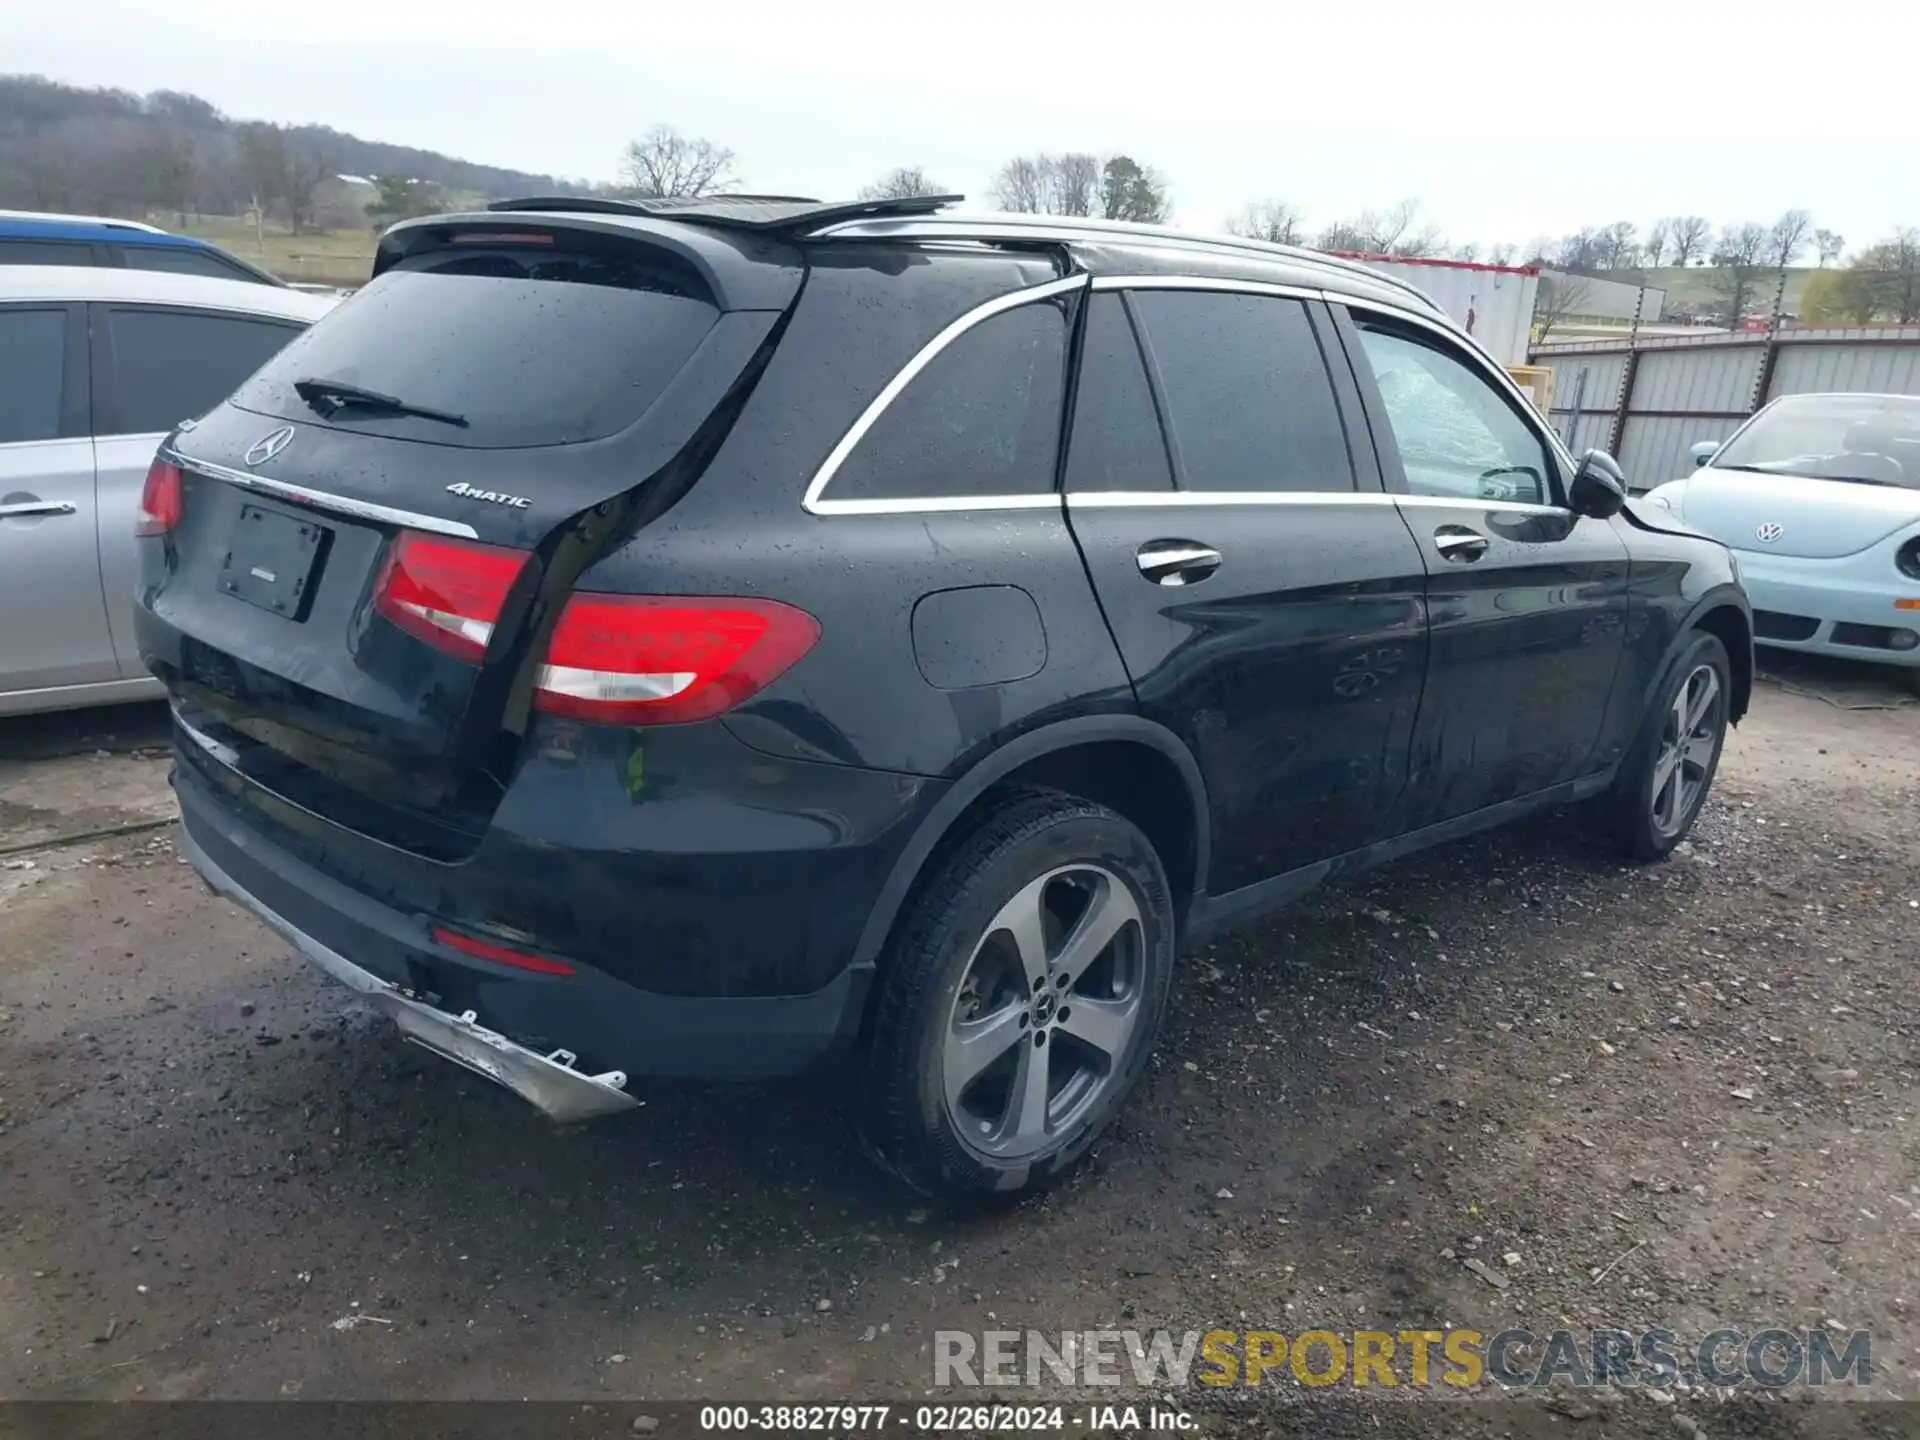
(1019, 1000)
(1667, 774)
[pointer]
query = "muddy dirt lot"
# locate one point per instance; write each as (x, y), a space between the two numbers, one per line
(1702, 1079)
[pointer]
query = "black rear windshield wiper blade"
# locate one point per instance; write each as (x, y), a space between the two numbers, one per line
(329, 396)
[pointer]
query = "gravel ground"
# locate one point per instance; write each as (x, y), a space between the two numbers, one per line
(1699, 1078)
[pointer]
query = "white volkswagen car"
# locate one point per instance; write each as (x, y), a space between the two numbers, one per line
(1820, 497)
(97, 364)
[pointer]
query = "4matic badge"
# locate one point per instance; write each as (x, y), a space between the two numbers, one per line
(493, 497)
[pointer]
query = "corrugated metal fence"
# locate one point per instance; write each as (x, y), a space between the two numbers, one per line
(1647, 403)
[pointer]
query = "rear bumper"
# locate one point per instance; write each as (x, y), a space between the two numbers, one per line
(510, 1025)
(549, 1082)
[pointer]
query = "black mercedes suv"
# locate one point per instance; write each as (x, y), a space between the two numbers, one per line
(703, 638)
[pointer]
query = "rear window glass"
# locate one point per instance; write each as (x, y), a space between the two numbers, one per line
(183, 260)
(1117, 444)
(33, 350)
(547, 349)
(45, 252)
(982, 419)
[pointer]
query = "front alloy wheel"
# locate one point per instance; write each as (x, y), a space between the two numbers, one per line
(1689, 744)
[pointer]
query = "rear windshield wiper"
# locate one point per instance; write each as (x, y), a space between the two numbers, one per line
(331, 396)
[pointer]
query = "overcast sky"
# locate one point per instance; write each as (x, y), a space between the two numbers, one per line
(1505, 120)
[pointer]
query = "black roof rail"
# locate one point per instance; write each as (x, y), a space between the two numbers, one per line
(769, 213)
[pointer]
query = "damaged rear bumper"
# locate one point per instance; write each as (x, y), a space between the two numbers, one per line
(548, 1082)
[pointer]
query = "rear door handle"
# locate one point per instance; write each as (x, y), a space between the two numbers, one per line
(18, 508)
(1459, 544)
(1176, 562)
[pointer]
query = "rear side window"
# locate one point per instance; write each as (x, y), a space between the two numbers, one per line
(182, 260)
(172, 365)
(45, 252)
(548, 349)
(33, 351)
(1117, 444)
(981, 419)
(1249, 402)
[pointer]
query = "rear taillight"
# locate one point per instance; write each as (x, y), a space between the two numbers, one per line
(663, 660)
(499, 954)
(612, 659)
(160, 500)
(446, 592)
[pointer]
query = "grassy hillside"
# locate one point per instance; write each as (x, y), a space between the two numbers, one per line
(1694, 286)
(327, 257)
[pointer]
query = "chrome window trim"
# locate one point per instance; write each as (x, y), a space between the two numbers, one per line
(1137, 499)
(814, 502)
(1464, 342)
(321, 500)
(1224, 283)
(1180, 499)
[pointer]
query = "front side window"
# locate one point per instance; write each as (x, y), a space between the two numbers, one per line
(981, 419)
(33, 351)
(1458, 437)
(170, 366)
(1249, 403)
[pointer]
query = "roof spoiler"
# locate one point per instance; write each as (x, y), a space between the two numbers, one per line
(771, 214)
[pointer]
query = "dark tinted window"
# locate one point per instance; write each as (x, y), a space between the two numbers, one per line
(170, 366)
(45, 252)
(33, 354)
(1457, 435)
(1117, 444)
(983, 418)
(182, 260)
(562, 349)
(1248, 398)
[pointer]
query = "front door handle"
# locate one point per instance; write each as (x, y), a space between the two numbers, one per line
(1176, 562)
(1459, 544)
(15, 509)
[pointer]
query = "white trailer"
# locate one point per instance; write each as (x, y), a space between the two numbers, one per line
(1494, 303)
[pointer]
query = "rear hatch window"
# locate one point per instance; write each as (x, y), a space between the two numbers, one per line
(526, 341)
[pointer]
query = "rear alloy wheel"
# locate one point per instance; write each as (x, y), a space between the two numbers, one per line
(1020, 999)
(1664, 780)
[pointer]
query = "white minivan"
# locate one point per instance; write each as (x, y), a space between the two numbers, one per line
(97, 364)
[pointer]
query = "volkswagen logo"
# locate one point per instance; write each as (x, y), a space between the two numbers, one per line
(1768, 533)
(268, 446)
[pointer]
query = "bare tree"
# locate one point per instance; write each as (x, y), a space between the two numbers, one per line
(1019, 186)
(1619, 246)
(1469, 252)
(1271, 220)
(1558, 296)
(1787, 237)
(1505, 253)
(667, 163)
(1687, 236)
(1828, 245)
(1740, 257)
(1655, 248)
(1132, 191)
(903, 183)
(1076, 184)
(1889, 276)
(1046, 184)
(1388, 232)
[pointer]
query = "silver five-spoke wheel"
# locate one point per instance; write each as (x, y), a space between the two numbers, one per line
(1045, 1010)
(1687, 742)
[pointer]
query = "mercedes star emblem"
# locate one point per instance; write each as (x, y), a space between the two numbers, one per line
(268, 446)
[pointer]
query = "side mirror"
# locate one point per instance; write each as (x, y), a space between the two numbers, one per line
(1702, 451)
(1599, 486)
